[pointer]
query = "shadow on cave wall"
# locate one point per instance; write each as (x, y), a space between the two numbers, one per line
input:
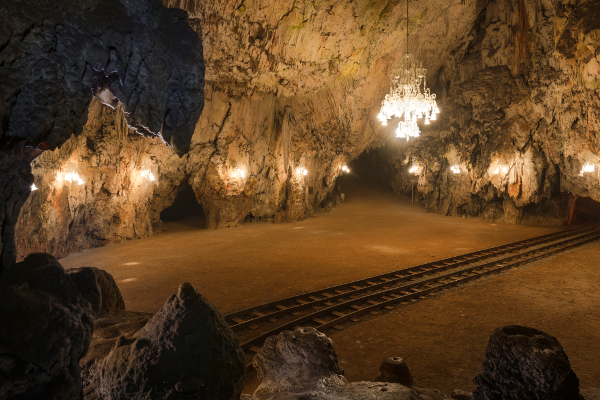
(185, 210)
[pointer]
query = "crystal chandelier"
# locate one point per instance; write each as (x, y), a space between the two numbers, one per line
(409, 96)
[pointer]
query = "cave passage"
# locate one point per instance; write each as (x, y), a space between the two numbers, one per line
(185, 210)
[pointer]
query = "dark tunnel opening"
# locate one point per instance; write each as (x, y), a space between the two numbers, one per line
(185, 210)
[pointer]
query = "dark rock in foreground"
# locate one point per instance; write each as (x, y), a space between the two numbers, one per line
(297, 361)
(186, 351)
(395, 370)
(48, 331)
(99, 288)
(523, 363)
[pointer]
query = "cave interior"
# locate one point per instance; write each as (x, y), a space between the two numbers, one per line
(266, 199)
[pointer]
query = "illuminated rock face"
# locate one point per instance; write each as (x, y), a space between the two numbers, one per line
(296, 85)
(520, 117)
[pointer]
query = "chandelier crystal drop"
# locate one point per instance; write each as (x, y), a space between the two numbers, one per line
(409, 96)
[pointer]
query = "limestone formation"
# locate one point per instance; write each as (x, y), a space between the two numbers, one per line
(99, 288)
(395, 370)
(55, 56)
(519, 117)
(296, 361)
(526, 364)
(185, 351)
(47, 328)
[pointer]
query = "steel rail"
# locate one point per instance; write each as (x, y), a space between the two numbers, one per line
(390, 296)
(310, 299)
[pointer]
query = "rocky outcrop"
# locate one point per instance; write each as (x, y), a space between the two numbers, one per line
(47, 328)
(54, 57)
(15, 185)
(184, 351)
(99, 288)
(395, 370)
(525, 363)
(297, 361)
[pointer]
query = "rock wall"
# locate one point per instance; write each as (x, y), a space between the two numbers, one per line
(296, 84)
(520, 115)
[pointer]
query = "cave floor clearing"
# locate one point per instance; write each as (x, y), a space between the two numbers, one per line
(443, 338)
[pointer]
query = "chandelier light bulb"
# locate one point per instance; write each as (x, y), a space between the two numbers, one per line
(33, 187)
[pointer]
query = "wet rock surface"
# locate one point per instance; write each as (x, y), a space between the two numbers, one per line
(185, 351)
(99, 288)
(55, 56)
(294, 361)
(525, 363)
(50, 329)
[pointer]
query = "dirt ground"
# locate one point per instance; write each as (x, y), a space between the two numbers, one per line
(443, 339)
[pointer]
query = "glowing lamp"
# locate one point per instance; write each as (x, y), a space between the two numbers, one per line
(414, 169)
(455, 169)
(33, 187)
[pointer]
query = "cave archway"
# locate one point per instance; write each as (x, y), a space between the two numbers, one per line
(582, 208)
(185, 210)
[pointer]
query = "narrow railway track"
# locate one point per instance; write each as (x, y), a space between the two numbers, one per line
(333, 306)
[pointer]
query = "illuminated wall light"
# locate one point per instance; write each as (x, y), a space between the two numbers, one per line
(414, 169)
(146, 173)
(33, 187)
(302, 171)
(587, 167)
(241, 173)
(455, 169)
(73, 177)
(345, 169)
(502, 168)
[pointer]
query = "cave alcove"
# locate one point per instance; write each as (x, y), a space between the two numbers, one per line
(185, 210)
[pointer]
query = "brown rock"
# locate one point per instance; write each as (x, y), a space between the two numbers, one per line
(99, 288)
(184, 351)
(395, 370)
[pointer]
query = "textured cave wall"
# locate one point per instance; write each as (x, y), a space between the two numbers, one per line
(523, 93)
(53, 57)
(136, 55)
(288, 85)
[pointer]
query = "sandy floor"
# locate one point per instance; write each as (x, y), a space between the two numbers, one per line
(443, 339)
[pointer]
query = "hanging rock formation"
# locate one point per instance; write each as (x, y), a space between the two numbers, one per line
(525, 364)
(185, 351)
(46, 329)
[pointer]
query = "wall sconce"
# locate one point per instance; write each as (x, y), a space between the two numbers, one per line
(502, 168)
(414, 169)
(455, 169)
(302, 171)
(73, 177)
(587, 167)
(148, 175)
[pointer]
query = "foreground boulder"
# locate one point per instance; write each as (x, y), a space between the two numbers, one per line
(48, 331)
(395, 370)
(99, 288)
(523, 363)
(297, 361)
(186, 351)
